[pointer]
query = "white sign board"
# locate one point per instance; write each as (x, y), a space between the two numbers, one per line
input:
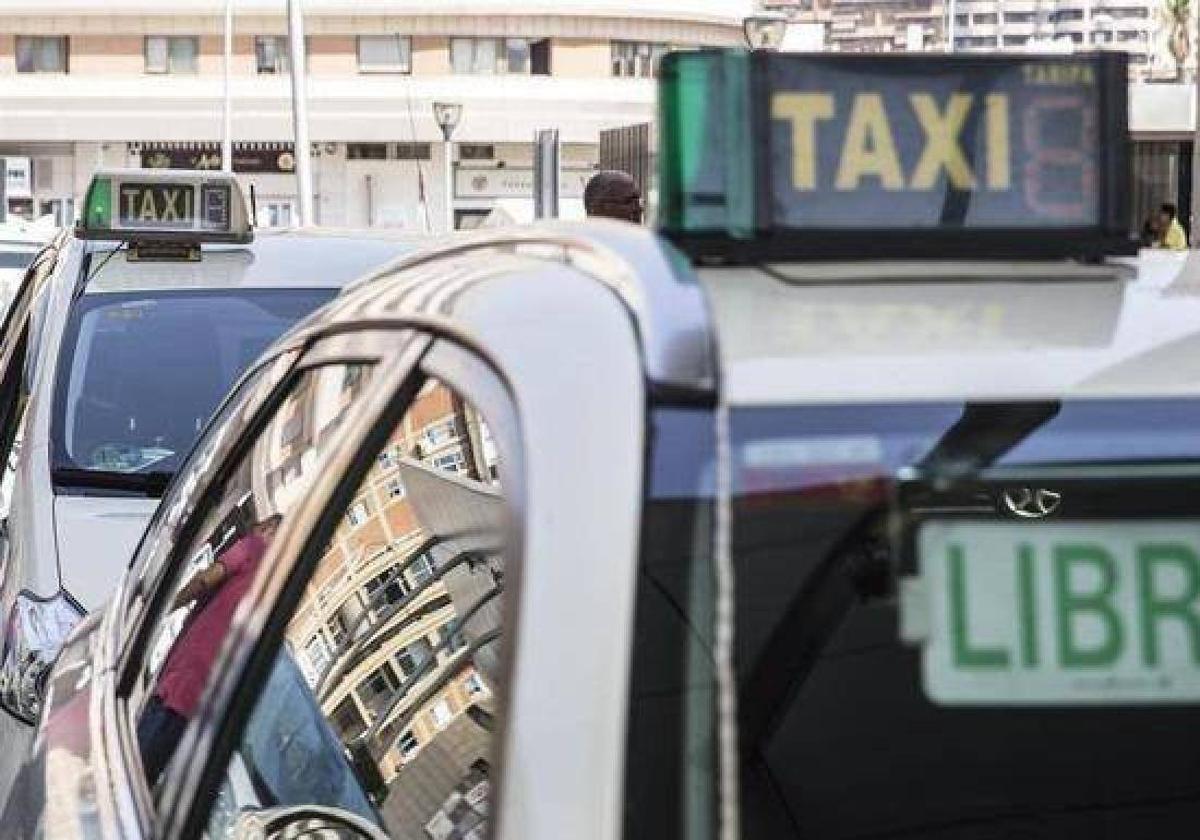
(513, 182)
(19, 178)
(1086, 613)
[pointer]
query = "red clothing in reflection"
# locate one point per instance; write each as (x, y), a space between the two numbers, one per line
(191, 658)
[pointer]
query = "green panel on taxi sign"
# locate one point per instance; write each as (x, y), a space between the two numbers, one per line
(783, 155)
(164, 206)
(1067, 613)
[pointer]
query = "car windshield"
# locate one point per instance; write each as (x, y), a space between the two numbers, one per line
(968, 621)
(16, 259)
(142, 372)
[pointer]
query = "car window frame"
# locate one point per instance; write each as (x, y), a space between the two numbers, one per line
(226, 709)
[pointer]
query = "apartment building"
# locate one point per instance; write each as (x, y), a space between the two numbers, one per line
(1138, 27)
(393, 631)
(85, 83)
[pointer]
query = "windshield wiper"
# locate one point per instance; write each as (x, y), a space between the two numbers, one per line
(152, 483)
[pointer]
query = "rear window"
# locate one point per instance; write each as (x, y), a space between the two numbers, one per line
(968, 621)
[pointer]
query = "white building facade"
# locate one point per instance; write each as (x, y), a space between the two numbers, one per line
(88, 83)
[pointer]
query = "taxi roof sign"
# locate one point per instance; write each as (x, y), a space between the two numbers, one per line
(770, 156)
(164, 206)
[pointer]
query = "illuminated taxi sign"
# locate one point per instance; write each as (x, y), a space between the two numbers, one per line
(783, 155)
(164, 206)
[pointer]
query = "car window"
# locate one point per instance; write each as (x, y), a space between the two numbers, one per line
(217, 567)
(391, 658)
(142, 372)
(967, 620)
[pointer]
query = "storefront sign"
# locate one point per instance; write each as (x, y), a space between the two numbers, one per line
(509, 182)
(270, 158)
(18, 180)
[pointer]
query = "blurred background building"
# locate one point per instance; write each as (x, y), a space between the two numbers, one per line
(85, 83)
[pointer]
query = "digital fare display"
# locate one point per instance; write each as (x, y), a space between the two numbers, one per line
(981, 144)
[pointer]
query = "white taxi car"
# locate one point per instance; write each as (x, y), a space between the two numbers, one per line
(724, 532)
(125, 338)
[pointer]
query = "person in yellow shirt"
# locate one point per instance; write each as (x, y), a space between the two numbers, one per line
(1172, 234)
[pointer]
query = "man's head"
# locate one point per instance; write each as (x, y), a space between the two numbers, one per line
(1167, 213)
(266, 528)
(614, 195)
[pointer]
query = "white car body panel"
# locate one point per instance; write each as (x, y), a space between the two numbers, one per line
(811, 339)
(96, 538)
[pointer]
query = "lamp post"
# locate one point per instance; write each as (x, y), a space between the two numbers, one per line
(304, 183)
(227, 122)
(447, 115)
(765, 30)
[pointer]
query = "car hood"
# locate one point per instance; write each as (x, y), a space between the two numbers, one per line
(96, 537)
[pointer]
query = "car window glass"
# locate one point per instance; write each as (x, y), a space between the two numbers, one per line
(218, 566)
(143, 371)
(382, 701)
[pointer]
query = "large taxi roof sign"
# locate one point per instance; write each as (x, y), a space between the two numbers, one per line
(164, 205)
(783, 156)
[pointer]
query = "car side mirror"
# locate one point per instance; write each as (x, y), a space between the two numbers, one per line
(304, 821)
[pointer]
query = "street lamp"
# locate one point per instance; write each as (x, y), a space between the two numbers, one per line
(765, 30)
(447, 115)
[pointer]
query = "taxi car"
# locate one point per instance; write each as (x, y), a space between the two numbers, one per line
(729, 530)
(122, 340)
(20, 242)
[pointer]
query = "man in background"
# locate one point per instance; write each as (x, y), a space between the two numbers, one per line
(1172, 233)
(613, 195)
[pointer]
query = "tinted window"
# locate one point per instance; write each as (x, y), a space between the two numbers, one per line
(937, 634)
(141, 373)
(410, 682)
(670, 760)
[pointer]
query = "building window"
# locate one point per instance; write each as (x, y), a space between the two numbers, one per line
(172, 54)
(384, 54)
(347, 721)
(636, 59)
(451, 462)
(376, 691)
(440, 713)
(489, 56)
(414, 655)
(337, 629)
(366, 151)
(38, 54)
(408, 744)
(412, 151)
(271, 54)
(421, 570)
(359, 513)
(317, 652)
(394, 488)
(476, 151)
(392, 584)
(275, 213)
(436, 434)
(473, 684)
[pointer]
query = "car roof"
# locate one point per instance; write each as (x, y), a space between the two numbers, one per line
(989, 331)
(308, 258)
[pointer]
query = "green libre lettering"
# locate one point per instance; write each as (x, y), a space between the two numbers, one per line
(1072, 604)
(1158, 607)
